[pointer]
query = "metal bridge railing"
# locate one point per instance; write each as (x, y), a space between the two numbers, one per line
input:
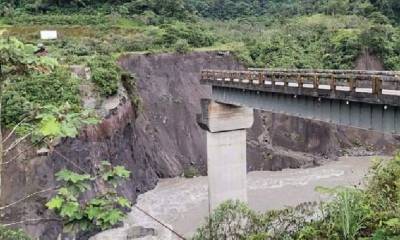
(374, 82)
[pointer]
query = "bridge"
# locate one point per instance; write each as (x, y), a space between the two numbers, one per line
(362, 99)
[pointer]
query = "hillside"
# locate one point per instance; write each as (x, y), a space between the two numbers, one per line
(300, 34)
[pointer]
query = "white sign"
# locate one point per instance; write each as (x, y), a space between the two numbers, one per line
(48, 35)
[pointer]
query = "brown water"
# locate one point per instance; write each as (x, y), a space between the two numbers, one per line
(182, 203)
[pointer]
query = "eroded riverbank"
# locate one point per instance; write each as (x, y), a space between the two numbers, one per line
(182, 203)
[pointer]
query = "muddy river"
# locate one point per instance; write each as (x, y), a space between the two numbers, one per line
(182, 204)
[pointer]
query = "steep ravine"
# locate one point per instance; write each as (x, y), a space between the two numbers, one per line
(161, 139)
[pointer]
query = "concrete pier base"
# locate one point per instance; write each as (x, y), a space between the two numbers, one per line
(226, 150)
(226, 162)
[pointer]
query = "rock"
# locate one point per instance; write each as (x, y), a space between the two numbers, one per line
(125, 233)
(112, 234)
(139, 232)
(42, 151)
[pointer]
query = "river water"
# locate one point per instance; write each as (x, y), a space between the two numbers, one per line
(182, 204)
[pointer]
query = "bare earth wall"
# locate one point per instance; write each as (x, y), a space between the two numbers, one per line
(163, 138)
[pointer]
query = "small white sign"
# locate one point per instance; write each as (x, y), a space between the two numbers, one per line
(48, 35)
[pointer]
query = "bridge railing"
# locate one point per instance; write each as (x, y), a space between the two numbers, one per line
(374, 82)
(329, 71)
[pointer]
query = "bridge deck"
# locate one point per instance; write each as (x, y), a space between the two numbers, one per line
(379, 87)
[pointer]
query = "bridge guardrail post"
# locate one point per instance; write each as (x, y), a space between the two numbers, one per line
(285, 82)
(316, 81)
(377, 86)
(272, 81)
(333, 85)
(260, 78)
(374, 86)
(352, 84)
(301, 83)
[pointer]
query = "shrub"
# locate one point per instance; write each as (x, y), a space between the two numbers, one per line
(195, 35)
(102, 211)
(58, 19)
(191, 172)
(105, 74)
(384, 187)
(347, 213)
(130, 84)
(181, 46)
(27, 92)
(11, 234)
(370, 213)
(343, 49)
(231, 220)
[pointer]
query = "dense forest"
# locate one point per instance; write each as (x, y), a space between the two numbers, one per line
(315, 33)
(223, 9)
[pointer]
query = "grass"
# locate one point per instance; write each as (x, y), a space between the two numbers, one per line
(232, 46)
(126, 23)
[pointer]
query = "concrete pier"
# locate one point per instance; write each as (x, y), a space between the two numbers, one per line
(226, 150)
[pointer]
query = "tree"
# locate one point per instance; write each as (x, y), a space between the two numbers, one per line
(390, 8)
(337, 7)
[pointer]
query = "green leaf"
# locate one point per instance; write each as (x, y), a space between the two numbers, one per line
(83, 186)
(121, 171)
(105, 163)
(48, 62)
(107, 176)
(98, 202)
(70, 209)
(64, 191)
(92, 212)
(49, 126)
(113, 216)
(69, 176)
(69, 130)
(55, 203)
(123, 202)
(91, 121)
(394, 222)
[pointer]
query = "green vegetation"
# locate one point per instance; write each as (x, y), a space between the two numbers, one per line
(105, 74)
(57, 122)
(301, 34)
(181, 46)
(191, 172)
(29, 92)
(102, 211)
(11, 234)
(368, 213)
(129, 83)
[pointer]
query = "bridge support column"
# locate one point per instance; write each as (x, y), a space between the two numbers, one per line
(226, 150)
